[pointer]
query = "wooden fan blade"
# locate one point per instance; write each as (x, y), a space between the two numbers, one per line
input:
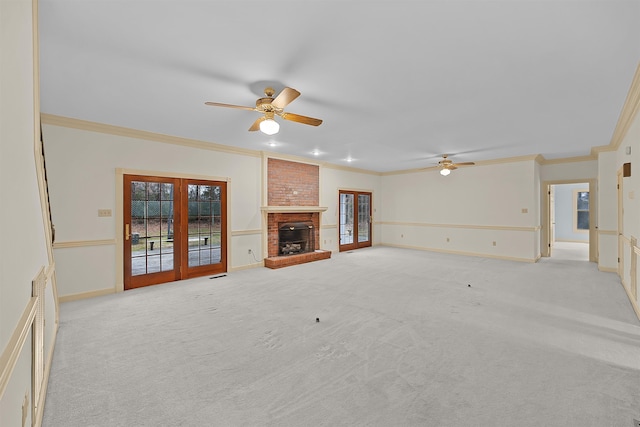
(452, 167)
(301, 119)
(465, 164)
(218, 104)
(256, 125)
(285, 97)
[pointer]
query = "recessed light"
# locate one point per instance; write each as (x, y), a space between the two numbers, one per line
(349, 159)
(315, 152)
(272, 144)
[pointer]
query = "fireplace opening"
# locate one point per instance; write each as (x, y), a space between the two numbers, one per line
(295, 238)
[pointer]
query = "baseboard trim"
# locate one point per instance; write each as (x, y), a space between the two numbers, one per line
(463, 226)
(480, 255)
(247, 267)
(634, 304)
(245, 232)
(607, 269)
(85, 295)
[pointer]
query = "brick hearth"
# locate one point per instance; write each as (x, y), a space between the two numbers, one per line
(286, 261)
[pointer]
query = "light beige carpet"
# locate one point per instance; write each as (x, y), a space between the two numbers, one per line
(402, 341)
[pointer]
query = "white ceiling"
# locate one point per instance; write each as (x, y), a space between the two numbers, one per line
(396, 82)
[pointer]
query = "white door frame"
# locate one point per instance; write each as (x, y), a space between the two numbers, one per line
(545, 234)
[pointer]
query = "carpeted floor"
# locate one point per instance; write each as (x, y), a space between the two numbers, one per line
(570, 251)
(402, 341)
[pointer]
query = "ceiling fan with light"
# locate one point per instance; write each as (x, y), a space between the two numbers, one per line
(272, 107)
(446, 165)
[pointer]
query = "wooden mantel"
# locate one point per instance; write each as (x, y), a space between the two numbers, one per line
(292, 209)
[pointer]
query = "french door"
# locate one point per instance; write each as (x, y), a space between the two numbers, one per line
(173, 229)
(355, 220)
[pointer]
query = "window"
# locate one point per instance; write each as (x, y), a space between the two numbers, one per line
(581, 207)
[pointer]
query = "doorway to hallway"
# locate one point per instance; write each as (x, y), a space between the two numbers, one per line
(569, 221)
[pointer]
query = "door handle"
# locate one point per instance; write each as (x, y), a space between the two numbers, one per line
(126, 232)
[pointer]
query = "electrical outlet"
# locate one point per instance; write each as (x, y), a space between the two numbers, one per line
(494, 243)
(525, 210)
(249, 251)
(448, 240)
(104, 212)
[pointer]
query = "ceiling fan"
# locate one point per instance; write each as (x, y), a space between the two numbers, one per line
(271, 107)
(446, 165)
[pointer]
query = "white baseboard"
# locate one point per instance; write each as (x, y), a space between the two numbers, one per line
(634, 304)
(246, 267)
(532, 260)
(84, 295)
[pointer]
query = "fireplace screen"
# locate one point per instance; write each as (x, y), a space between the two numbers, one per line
(295, 238)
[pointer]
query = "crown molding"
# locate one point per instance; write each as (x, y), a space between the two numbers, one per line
(72, 123)
(577, 159)
(601, 149)
(478, 163)
(289, 158)
(629, 111)
(351, 169)
(69, 122)
(293, 209)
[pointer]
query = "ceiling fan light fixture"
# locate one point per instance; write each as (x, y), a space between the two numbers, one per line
(444, 172)
(269, 126)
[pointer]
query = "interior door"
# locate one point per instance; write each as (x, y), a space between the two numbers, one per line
(552, 218)
(620, 227)
(173, 229)
(151, 243)
(355, 220)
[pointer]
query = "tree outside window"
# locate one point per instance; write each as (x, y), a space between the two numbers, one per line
(581, 205)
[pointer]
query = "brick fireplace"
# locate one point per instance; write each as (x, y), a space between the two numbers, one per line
(277, 220)
(292, 197)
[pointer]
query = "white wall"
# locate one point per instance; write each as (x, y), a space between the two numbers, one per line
(472, 207)
(333, 179)
(630, 195)
(82, 166)
(23, 251)
(565, 213)
(607, 211)
(569, 171)
(631, 185)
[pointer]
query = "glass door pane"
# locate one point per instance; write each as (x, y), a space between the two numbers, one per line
(364, 217)
(355, 220)
(149, 210)
(205, 222)
(151, 233)
(346, 218)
